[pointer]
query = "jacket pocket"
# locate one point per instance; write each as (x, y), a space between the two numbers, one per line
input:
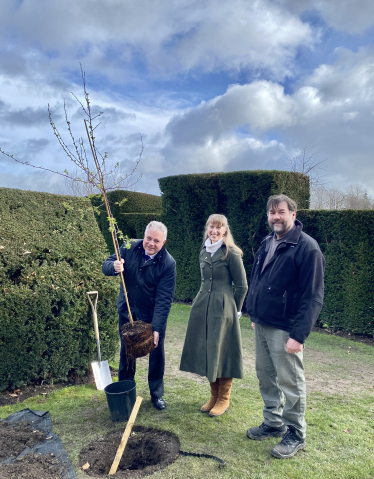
(271, 302)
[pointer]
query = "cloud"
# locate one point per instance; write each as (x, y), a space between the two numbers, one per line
(172, 37)
(352, 16)
(24, 117)
(332, 109)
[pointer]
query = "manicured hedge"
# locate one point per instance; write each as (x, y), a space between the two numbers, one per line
(346, 239)
(132, 211)
(51, 252)
(188, 200)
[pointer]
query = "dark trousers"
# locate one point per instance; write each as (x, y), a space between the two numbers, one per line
(156, 368)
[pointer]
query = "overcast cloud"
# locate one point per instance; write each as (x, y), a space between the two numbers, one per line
(211, 86)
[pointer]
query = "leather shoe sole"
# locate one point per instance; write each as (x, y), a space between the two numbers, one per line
(159, 404)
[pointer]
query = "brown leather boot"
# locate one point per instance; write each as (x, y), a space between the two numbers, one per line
(213, 397)
(223, 401)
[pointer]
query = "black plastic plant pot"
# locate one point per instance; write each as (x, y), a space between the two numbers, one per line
(121, 397)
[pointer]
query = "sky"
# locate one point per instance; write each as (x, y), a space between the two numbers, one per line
(209, 86)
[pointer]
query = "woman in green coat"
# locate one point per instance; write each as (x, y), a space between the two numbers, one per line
(212, 347)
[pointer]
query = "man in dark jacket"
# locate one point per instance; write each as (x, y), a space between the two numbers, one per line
(150, 275)
(284, 300)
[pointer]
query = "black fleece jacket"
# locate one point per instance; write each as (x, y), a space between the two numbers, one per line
(150, 286)
(288, 294)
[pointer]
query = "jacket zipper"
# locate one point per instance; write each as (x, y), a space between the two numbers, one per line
(255, 275)
(284, 302)
(276, 259)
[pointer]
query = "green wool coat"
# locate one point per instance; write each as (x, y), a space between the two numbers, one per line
(212, 347)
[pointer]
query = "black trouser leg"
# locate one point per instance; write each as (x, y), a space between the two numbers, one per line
(156, 369)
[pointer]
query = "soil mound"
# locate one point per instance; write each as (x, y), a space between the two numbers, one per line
(15, 437)
(147, 451)
(32, 466)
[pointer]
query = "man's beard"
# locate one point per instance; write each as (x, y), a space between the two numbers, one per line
(284, 227)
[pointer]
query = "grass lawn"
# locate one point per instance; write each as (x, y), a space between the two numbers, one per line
(340, 413)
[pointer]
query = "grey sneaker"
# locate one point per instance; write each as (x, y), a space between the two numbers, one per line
(264, 431)
(289, 445)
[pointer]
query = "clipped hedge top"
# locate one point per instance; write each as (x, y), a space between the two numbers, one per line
(47, 229)
(135, 202)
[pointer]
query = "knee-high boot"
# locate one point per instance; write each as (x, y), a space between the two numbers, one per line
(223, 401)
(213, 397)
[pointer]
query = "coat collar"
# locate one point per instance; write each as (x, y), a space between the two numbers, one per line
(159, 256)
(218, 255)
(292, 239)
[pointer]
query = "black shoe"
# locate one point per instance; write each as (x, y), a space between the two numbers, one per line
(264, 431)
(289, 445)
(159, 403)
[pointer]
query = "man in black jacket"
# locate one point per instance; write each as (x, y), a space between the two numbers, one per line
(150, 275)
(284, 300)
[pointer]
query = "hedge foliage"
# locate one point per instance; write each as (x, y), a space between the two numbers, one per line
(132, 211)
(51, 251)
(346, 239)
(188, 200)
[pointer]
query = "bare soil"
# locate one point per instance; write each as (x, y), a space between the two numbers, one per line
(14, 396)
(148, 450)
(15, 437)
(32, 466)
(358, 338)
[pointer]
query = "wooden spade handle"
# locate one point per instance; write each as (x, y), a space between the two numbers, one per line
(125, 436)
(94, 313)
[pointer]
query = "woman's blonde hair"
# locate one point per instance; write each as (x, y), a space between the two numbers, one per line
(221, 220)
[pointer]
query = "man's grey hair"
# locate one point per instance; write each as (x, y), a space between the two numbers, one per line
(274, 201)
(157, 226)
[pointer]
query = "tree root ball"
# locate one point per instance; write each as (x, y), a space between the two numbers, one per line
(138, 339)
(147, 451)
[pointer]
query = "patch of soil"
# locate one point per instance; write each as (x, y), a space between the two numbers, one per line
(32, 466)
(148, 450)
(358, 338)
(15, 437)
(9, 397)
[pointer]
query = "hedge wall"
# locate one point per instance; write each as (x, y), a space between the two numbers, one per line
(51, 252)
(188, 200)
(132, 211)
(346, 239)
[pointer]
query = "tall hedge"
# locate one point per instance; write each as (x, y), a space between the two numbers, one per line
(346, 239)
(51, 251)
(132, 211)
(188, 200)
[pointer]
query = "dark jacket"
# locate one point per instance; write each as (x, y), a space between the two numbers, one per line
(150, 286)
(288, 294)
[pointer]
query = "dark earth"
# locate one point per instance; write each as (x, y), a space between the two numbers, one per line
(32, 466)
(14, 438)
(14, 396)
(147, 451)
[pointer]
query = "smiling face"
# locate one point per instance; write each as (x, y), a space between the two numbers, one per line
(153, 241)
(281, 219)
(215, 232)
